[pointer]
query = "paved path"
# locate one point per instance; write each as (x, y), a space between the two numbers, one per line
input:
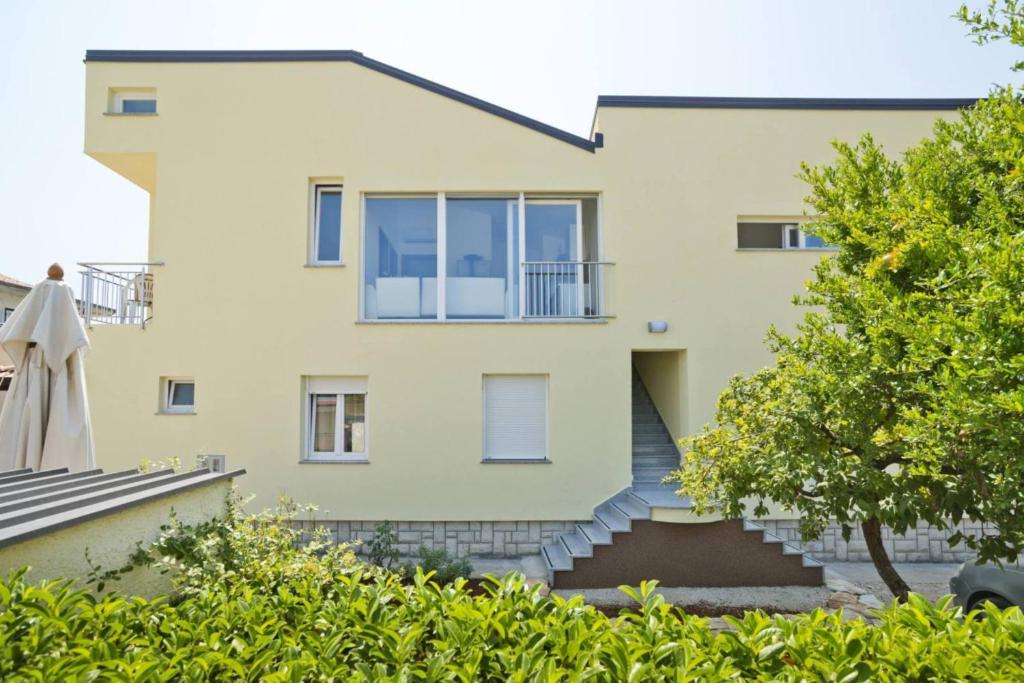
(931, 580)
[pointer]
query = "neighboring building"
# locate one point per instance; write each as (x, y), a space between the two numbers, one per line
(12, 291)
(396, 301)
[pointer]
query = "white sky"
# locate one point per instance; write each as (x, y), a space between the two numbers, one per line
(548, 60)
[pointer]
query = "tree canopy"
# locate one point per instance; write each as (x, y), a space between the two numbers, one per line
(900, 398)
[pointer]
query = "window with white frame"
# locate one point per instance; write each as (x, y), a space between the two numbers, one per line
(325, 233)
(458, 257)
(179, 395)
(515, 415)
(775, 235)
(5, 313)
(139, 101)
(335, 416)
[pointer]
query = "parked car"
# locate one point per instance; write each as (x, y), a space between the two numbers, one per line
(975, 584)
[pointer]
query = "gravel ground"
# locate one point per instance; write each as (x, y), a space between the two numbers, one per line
(931, 580)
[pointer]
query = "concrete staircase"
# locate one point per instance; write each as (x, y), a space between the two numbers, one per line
(654, 456)
(654, 451)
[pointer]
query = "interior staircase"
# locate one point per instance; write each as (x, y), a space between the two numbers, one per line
(622, 545)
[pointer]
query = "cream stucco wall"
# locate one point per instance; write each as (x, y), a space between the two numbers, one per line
(111, 540)
(228, 161)
(664, 375)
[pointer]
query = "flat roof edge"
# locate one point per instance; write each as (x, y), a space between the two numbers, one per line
(223, 56)
(835, 103)
(41, 526)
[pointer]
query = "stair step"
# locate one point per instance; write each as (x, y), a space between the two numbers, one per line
(664, 446)
(642, 485)
(660, 496)
(657, 439)
(642, 468)
(612, 518)
(809, 561)
(790, 549)
(668, 459)
(596, 533)
(556, 557)
(576, 545)
(650, 428)
(645, 465)
(631, 507)
(651, 471)
(652, 467)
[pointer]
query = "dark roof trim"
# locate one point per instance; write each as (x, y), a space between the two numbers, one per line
(189, 56)
(849, 103)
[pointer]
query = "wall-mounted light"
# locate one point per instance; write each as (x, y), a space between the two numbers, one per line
(657, 326)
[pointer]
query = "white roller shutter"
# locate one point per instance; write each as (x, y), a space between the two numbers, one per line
(515, 417)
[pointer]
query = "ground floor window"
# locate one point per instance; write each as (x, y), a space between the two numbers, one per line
(515, 417)
(178, 395)
(336, 418)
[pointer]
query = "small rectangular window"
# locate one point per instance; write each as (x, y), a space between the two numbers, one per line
(336, 422)
(134, 101)
(515, 417)
(179, 396)
(758, 235)
(327, 224)
(5, 314)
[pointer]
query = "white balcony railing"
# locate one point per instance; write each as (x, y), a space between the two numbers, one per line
(565, 289)
(117, 293)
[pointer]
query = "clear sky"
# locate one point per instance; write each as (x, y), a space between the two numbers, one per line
(548, 60)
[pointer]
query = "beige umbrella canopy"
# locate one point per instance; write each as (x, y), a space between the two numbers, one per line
(45, 418)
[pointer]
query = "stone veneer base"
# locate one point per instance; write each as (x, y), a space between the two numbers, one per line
(521, 538)
(923, 544)
(460, 539)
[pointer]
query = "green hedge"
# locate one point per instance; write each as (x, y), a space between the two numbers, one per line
(367, 626)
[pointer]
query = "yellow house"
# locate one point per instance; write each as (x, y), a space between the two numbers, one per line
(399, 302)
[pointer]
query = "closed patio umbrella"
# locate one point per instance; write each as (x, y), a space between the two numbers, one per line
(44, 422)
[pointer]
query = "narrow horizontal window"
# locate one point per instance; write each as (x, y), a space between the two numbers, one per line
(327, 224)
(135, 101)
(757, 235)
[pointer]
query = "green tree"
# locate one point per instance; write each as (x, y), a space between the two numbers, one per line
(900, 398)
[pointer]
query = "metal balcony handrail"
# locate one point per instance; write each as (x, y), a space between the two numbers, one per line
(564, 289)
(117, 297)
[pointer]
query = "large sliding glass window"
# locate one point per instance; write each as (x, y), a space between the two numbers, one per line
(553, 277)
(475, 257)
(400, 258)
(479, 259)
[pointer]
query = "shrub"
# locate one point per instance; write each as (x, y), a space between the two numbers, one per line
(445, 567)
(382, 550)
(256, 603)
(361, 628)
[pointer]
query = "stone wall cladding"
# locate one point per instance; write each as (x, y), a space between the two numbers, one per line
(923, 544)
(460, 539)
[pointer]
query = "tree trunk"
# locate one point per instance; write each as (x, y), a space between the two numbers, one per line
(872, 529)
